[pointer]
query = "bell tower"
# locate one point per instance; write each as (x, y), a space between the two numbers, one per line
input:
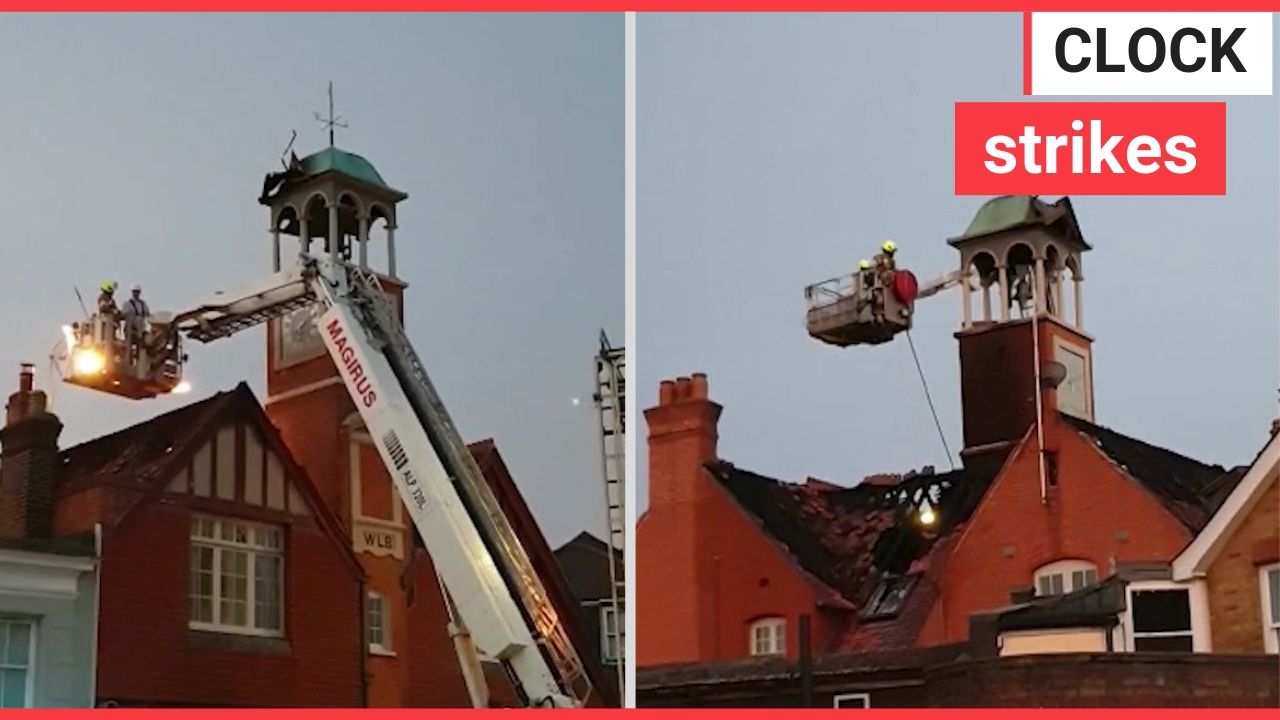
(335, 202)
(1022, 332)
(332, 202)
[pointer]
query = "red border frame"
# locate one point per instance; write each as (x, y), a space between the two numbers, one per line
(1009, 6)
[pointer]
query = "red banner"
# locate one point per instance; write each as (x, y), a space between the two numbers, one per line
(1057, 148)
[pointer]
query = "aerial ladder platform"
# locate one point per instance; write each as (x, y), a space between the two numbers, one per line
(498, 604)
(869, 306)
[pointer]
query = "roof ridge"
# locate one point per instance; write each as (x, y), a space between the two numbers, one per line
(1087, 426)
(190, 407)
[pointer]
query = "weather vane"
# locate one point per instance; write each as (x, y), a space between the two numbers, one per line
(333, 121)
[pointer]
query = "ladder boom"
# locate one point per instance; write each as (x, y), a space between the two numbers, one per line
(489, 578)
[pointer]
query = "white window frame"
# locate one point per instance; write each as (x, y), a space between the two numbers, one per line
(1270, 625)
(384, 646)
(253, 549)
(28, 697)
(1198, 595)
(1065, 569)
(776, 629)
(608, 649)
(865, 698)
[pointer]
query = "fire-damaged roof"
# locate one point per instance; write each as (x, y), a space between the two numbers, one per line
(845, 536)
(867, 543)
(1189, 489)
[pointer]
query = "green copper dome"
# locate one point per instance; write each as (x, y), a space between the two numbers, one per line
(331, 159)
(1001, 213)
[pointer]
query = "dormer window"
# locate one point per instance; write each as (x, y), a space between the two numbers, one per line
(769, 636)
(1064, 576)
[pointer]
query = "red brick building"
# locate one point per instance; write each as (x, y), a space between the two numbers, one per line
(259, 557)
(901, 562)
(225, 580)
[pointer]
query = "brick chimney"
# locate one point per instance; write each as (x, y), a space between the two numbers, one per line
(682, 438)
(675, 542)
(28, 461)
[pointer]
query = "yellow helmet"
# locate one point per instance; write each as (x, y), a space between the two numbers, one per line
(864, 264)
(108, 286)
(889, 247)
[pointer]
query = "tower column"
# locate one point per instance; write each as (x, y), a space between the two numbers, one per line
(1003, 274)
(304, 235)
(1055, 290)
(363, 239)
(1041, 303)
(1076, 282)
(335, 233)
(275, 249)
(986, 302)
(391, 250)
(965, 297)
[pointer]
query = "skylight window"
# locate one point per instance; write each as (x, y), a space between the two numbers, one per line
(889, 597)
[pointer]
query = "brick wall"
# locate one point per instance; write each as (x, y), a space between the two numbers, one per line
(1094, 513)
(1235, 597)
(148, 655)
(1118, 680)
(434, 676)
(704, 570)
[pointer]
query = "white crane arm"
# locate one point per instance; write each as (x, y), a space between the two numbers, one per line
(499, 597)
(938, 284)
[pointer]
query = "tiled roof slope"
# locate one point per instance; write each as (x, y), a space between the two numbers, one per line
(141, 453)
(1189, 489)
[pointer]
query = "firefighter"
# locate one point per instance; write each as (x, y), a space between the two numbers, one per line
(136, 314)
(884, 261)
(108, 312)
(107, 299)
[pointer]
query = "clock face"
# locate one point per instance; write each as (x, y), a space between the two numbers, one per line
(1073, 392)
(298, 338)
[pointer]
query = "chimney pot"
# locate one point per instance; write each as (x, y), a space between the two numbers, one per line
(39, 403)
(1275, 427)
(684, 387)
(666, 392)
(26, 378)
(699, 386)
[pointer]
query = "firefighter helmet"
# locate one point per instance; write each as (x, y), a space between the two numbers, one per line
(108, 286)
(889, 247)
(864, 264)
